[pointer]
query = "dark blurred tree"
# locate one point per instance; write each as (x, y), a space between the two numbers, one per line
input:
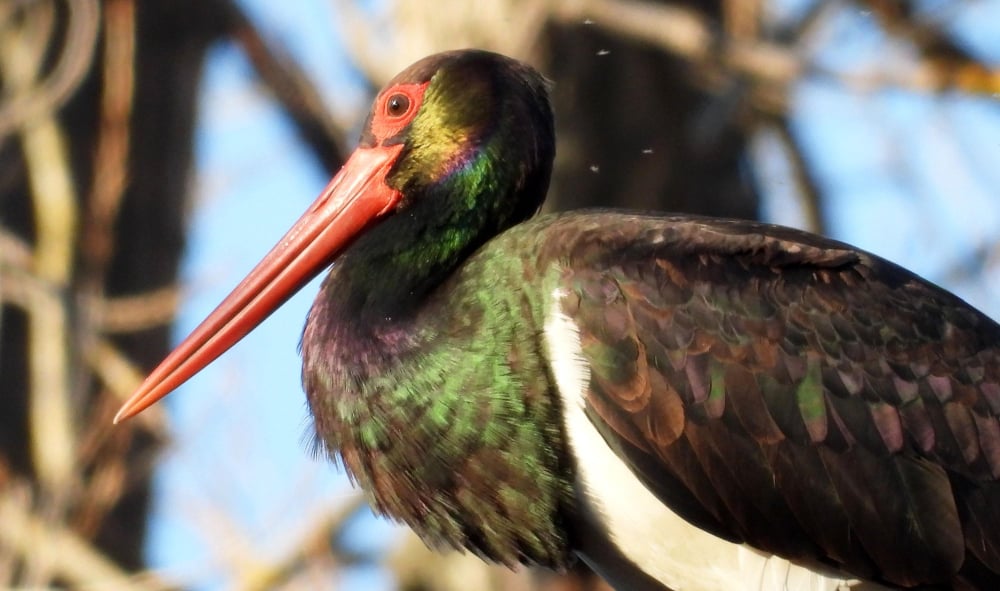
(92, 226)
(96, 129)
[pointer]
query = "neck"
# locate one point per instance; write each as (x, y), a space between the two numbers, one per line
(410, 405)
(388, 274)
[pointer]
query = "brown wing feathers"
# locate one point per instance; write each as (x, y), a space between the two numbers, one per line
(813, 401)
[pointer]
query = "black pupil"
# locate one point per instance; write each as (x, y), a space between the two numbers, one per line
(398, 104)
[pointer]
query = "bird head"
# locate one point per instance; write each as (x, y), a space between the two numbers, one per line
(462, 138)
(468, 126)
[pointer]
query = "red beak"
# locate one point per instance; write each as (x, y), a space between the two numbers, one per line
(356, 197)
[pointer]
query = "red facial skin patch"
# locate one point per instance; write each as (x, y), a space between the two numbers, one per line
(395, 109)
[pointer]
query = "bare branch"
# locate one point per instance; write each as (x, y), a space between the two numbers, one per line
(291, 87)
(317, 540)
(72, 557)
(73, 63)
(54, 200)
(138, 312)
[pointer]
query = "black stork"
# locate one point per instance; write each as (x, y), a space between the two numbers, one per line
(681, 402)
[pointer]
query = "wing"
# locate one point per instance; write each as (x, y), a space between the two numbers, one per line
(789, 392)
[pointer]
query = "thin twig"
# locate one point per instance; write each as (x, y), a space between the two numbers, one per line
(943, 63)
(121, 377)
(328, 526)
(111, 155)
(138, 312)
(291, 87)
(687, 33)
(73, 62)
(808, 192)
(54, 200)
(73, 559)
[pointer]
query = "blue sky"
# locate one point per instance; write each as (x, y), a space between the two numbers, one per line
(908, 176)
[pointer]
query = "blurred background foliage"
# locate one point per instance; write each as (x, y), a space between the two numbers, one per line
(861, 119)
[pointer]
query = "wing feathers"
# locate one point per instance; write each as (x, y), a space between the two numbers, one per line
(813, 401)
(901, 512)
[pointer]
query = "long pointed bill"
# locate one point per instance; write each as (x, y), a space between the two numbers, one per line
(354, 199)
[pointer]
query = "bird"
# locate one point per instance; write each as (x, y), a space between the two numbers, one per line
(680, 402)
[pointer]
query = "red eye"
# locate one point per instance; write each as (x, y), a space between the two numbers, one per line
(397, 105)
(394, 109)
